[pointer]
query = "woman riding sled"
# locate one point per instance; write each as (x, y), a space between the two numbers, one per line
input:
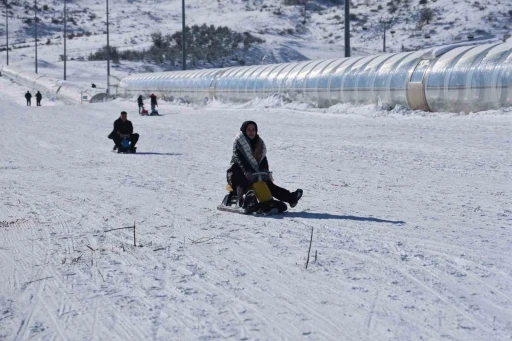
(249, 156)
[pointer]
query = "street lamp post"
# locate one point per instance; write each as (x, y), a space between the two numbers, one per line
(35, 26)
(347, 28)
(65, 37)
(183, 55)
(108, 57)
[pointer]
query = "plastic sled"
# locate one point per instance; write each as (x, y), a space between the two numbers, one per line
(263, 203)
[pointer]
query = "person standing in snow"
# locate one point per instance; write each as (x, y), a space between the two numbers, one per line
(140, 102)
(249, 156)
(153, 102)
(28, 96)
(123, 129)
(38, 98)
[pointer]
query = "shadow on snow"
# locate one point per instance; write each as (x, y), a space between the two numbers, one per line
(314, 215)
(151, 153)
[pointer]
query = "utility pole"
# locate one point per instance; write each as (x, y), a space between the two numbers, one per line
(35, 25)
(183, 55)
(108, 57)
(65, 37)
(7, 30)
(385, 24)
(384, 40)
(305, 7)
(347, 28)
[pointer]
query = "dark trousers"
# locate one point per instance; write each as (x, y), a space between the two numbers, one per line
(28, 102)
(240, 184)
(133, 140)
(140, 108)
(38, 102)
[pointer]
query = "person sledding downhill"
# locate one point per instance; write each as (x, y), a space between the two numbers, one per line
(144, 112)
(250, 185)
(123, 135)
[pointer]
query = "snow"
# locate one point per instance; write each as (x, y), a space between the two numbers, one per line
(410, 212)
(288, 37)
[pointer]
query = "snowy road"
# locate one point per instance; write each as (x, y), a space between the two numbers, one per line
(411, 214)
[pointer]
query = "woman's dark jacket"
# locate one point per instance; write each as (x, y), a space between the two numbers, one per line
(242, 160)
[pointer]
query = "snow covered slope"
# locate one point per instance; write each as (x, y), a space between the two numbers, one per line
(411, 216)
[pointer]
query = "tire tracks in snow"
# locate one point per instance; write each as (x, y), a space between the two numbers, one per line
(247, 262)
(420, 282)
(52, 216)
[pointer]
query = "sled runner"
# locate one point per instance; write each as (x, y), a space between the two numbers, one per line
(258, 200)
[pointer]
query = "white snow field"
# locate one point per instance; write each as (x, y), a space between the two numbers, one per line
(411, 215)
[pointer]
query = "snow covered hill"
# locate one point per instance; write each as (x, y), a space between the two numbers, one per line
(410, 213)
(291, 34)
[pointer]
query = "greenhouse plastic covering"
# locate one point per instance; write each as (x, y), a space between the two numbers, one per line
(451, 78)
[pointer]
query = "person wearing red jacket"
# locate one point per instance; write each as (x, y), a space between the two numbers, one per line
(153, 102)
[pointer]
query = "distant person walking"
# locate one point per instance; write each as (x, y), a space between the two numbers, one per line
(140, 102)
(28, 96)
(153, 102)
(38, 98)
(93, 85)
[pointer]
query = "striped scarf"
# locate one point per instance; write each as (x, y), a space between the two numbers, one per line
(254, 157)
